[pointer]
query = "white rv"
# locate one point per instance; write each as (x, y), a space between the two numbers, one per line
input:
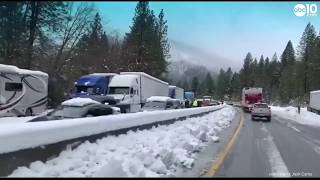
(22, 92)
(131, 90)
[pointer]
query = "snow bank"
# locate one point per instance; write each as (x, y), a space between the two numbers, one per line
(13, 120)
(147, 153)
(79, 102)
(305, 117)
(19, 136)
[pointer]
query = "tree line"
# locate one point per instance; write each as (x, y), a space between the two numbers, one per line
(287, 80)
(68, 40)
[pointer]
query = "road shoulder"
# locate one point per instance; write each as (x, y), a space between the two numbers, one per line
(210, 153)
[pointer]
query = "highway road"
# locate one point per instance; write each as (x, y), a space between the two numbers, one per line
(280, 148)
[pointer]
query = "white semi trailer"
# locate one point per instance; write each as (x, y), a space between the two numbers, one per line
(130, 90)
(22, 92)
(314, 103)
(177, 93)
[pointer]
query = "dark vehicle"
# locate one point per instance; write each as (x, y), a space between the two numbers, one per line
(76, 110)
(229, 103)
(214, 103)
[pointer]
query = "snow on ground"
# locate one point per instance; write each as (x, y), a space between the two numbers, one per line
(14, 120)
(151, 153)
(305, 117)
(33, 134)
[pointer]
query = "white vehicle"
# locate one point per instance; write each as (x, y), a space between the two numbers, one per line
(261, 110)
(22, 92)
(314, 104)
(131, 90)
(177, 93)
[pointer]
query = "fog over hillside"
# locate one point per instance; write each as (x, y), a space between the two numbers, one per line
(187, 61)
(190, 53)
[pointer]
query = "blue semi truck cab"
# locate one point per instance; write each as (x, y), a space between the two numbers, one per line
(92, 84)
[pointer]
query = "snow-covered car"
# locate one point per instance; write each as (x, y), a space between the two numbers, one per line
(176, 104)
(77, 108)
(261, 110)
(160, 103)
(229, 103)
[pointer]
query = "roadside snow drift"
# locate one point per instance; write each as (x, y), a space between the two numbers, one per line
(152, 153)
(19, 136)
(305, 117)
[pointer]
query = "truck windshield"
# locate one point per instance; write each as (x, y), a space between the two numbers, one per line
(68, 112)
(84, 89)
(261, 106)
(119, 90)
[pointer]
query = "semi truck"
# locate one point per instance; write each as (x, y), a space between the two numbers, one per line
(250, 96)
(22, 92)
(177, 93)
(189, 97)
(95, 84)
(130, 90)
(314, 103)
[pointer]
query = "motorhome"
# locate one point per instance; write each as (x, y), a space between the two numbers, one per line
(131, 90)
(22, 92)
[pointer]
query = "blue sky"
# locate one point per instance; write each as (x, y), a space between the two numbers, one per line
(228, 29)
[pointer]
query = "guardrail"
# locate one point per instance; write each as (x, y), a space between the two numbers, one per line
(28, 142)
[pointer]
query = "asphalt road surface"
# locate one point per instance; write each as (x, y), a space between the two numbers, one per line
(280, 148)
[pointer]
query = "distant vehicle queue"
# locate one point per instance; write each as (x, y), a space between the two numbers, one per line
(25, 93)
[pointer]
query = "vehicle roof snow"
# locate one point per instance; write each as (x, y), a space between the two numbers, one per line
(123, 80)
(15, 69)
(79, 102)
(158, 98)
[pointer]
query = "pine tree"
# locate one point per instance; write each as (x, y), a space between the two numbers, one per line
(11, 32)
(287, 79)
(145, 46)
(228, 77)
(209, 84)
(274, 70)
(245, 72)
(235, 86)
(93, 49)
(259, 75)
(185, 85)
(195, 85)
(222, 84)
(305, 49)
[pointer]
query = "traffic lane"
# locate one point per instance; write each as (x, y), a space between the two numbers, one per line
(247, 158)
(299, 151)
(310, 132)
(266, 149)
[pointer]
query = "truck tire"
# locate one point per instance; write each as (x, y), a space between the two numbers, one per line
(269, 119)
(29, 112)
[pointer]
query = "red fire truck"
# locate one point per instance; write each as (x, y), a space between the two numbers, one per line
(250, 96)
